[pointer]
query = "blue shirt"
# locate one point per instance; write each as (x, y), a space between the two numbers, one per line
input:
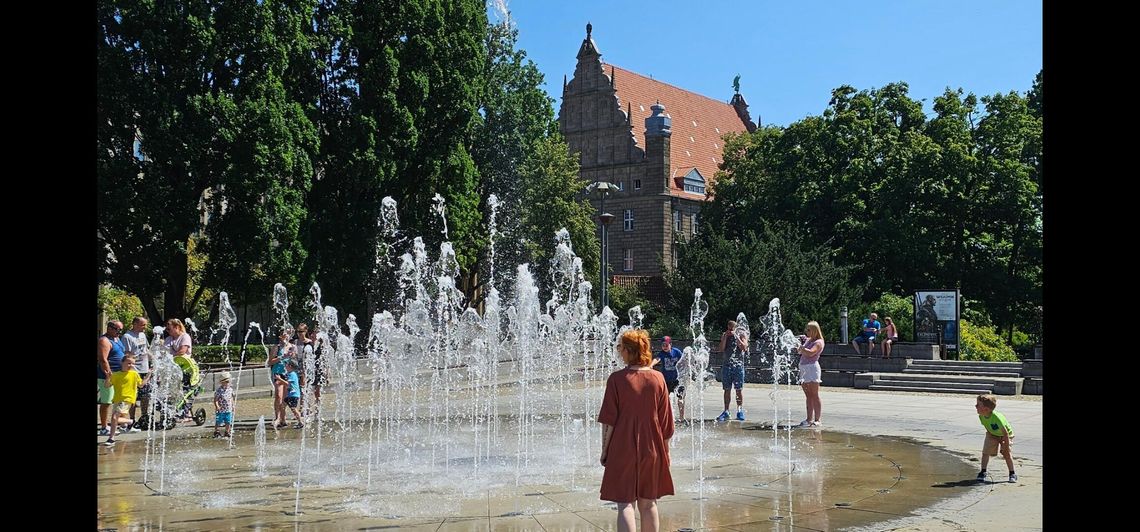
(294, 384)
(869, 323)
(114, 358)
(668, 364)
(279, 367)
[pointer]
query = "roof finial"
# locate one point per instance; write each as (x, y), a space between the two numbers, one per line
(589, 28)
(736, 83)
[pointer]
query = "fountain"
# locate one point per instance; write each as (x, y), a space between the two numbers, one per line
(443, 412)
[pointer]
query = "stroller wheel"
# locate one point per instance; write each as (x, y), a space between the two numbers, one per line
(200, 417)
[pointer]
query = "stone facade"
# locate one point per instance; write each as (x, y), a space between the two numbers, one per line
(646, 137)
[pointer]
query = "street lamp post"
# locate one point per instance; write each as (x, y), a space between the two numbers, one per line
(603, 189)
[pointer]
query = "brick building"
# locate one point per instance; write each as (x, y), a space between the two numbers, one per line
(660, 144)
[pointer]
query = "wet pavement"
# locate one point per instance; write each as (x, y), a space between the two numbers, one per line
(880, 461)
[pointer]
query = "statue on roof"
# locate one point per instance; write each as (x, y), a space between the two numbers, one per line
(736, 83)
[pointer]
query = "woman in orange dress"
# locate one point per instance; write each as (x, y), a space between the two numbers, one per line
(637, 422)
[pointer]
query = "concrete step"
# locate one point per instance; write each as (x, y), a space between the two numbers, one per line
(933, 390)
(939, 377)
(997, 385)
(963, 371)
(966, 363)
(980, 387)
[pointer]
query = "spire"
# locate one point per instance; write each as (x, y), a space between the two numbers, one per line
(588, 47)
(659, 124)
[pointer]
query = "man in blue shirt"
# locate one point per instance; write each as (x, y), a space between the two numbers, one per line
(871, 328)
(667, 359)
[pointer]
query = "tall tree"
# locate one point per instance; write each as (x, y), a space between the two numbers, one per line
(551, 195)
(196, 134)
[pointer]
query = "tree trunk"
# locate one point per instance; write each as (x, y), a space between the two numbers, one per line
(151, 308)
(174, 302)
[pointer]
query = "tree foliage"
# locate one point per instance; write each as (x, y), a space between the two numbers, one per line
(197, 134)
(744, 273)
(908, 202)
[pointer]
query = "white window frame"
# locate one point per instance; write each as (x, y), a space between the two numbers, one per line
(627, 260)
(627, 220)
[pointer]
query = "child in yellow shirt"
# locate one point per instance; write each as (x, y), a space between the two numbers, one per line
(126, 383)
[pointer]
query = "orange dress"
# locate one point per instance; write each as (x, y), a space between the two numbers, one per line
(636, 405)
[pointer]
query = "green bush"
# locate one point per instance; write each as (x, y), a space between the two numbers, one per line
(983, 343)
(255, 353)
(667, 325)
(119, 304)
(899, 308)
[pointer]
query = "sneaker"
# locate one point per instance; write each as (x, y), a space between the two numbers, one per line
(816, 423)
(804, 423)
(298, 425)
(109, 443)
(981, 477)
(1013, 477)
(134, 429)
(723, 416)
(740, 415)
(217, 435)
(105, 431)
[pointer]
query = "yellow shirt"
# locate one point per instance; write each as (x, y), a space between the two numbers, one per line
(126, 385)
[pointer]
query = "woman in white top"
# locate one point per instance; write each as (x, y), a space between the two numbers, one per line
(810, 372)
(892, 336)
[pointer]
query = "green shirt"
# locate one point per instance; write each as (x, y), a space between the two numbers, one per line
(994, 423)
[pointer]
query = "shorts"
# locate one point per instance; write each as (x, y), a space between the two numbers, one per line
(732, 376)
(121, 408)
(144, 390)
(291, 402)
(861, 339)
(105, 393)
(810, 372)
(672, 384)
(680, 391)
(224, 418)
(990, 447)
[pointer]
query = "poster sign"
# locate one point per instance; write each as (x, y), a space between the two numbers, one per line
(936, 315)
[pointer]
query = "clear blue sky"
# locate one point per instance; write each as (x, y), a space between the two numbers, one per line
(790, 55)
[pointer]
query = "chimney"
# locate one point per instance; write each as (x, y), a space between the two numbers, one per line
(658, 134)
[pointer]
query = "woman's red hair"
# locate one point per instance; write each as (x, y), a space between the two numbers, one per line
(636, 347)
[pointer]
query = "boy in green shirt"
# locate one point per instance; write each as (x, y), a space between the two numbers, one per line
(999, 433)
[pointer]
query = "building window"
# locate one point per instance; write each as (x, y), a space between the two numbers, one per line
(674, 247)
(637, 184)
(694, 182)
(627, 262)
(677, 221)
(628, 220)
(621, 186)
(694, 224)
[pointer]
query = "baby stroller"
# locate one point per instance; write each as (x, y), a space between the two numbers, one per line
(167, 413)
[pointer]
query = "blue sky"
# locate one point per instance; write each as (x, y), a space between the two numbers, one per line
(790, 55)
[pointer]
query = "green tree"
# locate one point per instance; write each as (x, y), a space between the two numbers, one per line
(197, 135)
(399, 85)
(550, 192)
(744, 274)
(516, 117)
(118, 304)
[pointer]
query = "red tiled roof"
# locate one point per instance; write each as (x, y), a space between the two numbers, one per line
(698, 123)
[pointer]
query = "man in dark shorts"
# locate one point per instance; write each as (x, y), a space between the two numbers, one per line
(667, 359)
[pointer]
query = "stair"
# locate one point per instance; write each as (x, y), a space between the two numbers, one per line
(943, 382)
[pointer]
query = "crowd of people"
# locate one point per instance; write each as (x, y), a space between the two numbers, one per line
(126, 359)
